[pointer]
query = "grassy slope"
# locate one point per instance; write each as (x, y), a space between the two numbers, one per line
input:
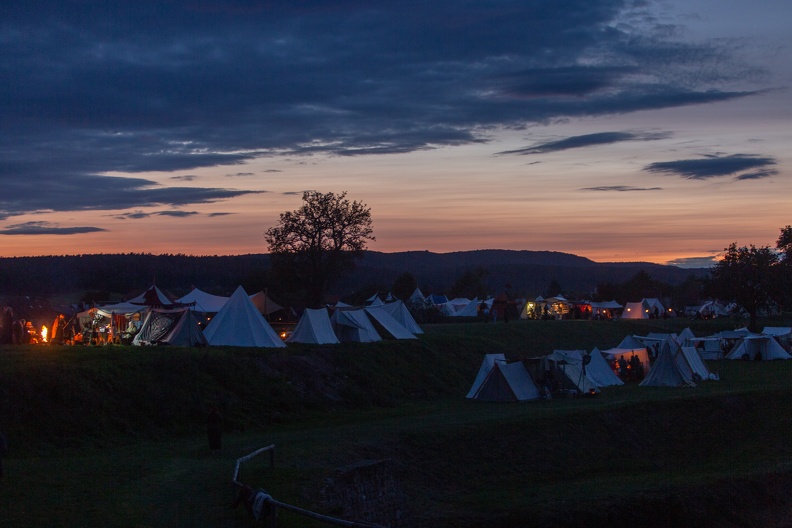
(114, 436)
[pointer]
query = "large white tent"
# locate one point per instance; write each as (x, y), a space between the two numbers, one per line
(470, 310)
(758, 347)
(635, 310)
(354, 325)
(314, 327)
(240, 324)
(501, 381)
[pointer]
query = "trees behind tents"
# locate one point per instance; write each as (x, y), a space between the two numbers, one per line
(314, 244)
(748, 276)
(784, 247)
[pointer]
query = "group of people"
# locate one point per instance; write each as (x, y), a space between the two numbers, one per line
(17, 331)
(632, 370)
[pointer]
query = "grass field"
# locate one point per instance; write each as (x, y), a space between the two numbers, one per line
(114, 436)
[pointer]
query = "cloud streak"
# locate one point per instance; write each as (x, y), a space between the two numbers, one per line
(589, 140)
(46, 228)
(715, 166)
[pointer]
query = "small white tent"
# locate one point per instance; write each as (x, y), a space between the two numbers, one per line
(314, 327)
(600, 372)
(354, 325)
(501, 381)
(635, 310)
(399, 311)
(471, 310)
(240, 324)
(170, 327)
(202, 302)
(391, 325)
(666, 372)
(690, 360)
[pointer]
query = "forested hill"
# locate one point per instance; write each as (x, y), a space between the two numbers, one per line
(526, 272)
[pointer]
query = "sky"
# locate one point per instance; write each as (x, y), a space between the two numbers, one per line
(618, 130)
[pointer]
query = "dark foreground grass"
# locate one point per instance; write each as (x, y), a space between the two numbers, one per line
(114, 437)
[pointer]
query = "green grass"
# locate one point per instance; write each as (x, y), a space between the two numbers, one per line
(115, 436)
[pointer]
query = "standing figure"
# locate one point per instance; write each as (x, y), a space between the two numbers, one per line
(214, 430)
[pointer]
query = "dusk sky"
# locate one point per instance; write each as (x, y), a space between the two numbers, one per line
(616, 130)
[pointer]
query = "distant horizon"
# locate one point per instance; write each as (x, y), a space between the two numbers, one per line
(368, 250)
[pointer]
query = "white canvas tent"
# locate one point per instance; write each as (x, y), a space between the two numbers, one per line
(202, 302)
(314, 327)
(692, 365)
(170, 327)
(759, 347)
(240, 324)
(635, 310)
(153, 296)
(666, 372)
(600, 372)
(613, 354)
(354, 325)
(501, 381)
(570, 364)
(391, 325)
(471, 310)
(399, 311)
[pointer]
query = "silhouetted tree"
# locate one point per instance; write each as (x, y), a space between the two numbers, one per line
(404, 285)
(470, 284)
(314, 244)
(747, 276)
(784, 246)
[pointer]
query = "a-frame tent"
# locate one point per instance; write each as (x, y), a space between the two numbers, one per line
(569, 364)
(600, 372)
(399, 311)
(170, 327)
(689, 359)
(391, 325)
(240, 324)
(759, 347)
(314, 327)
(470, 310)
(635, 310)
(354, 326)
(202, 302)
(501, 381)
(665, 371)
(153, 296)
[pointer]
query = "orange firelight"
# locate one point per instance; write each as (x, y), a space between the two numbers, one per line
(44, 331)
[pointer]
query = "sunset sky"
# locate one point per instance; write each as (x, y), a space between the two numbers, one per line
(616, 130)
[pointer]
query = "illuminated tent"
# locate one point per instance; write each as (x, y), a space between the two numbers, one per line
(569, 363)
(170, 327)
(240, 324)
(264, 304)
(501, 381)
(635, 310)
(314, 327)
(613, 354)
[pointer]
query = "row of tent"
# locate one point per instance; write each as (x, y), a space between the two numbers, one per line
(237, 321)
(582, 372)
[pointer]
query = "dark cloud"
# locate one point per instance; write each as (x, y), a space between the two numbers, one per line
(185, 177)
(240, 175)
(212, 215)
(717, 166)
(46, 228)
(138, 215)
(694, 262)
(588, 140)
(272, 170)
(621, 188)
(92, 88)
